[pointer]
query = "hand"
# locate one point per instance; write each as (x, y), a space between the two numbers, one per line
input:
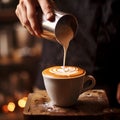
(118, 93)
(27, 12)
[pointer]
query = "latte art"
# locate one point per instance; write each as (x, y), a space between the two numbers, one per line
(63, 72)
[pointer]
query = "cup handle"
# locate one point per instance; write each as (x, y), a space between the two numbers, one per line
(91, 79)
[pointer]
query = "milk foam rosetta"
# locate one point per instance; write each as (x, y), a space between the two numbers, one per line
(63, 71)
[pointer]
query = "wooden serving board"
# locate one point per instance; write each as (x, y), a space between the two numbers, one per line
(90, 104)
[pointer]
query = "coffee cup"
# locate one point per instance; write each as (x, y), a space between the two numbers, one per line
(64, 84)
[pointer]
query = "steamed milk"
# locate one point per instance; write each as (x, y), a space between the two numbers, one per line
(64, 36)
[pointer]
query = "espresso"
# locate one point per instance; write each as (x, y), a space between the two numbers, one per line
(64, 72)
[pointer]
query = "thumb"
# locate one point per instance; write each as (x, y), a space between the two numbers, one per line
(47, 7)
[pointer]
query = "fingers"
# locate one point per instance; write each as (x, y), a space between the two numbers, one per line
(22, 15)
(118, 93)
(33, 17)
(47, 7)
(30, 18)
(26, 12)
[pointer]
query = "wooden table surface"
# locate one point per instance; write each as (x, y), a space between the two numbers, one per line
(91, 105)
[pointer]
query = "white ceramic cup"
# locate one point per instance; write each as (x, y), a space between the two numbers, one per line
(64, 88)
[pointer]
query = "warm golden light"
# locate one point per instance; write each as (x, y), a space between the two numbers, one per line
(22, 102)
(4, 108)
(11, 106)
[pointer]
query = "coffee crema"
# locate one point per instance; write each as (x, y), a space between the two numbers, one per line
(64, 72)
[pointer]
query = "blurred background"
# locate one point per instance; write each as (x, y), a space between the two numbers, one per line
(19, 58)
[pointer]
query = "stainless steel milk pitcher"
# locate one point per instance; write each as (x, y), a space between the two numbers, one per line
(60, 28)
